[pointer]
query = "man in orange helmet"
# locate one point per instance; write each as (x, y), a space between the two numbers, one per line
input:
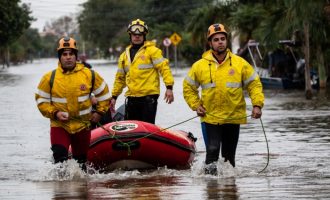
(64, 97)
(222, 77)
(139, 68)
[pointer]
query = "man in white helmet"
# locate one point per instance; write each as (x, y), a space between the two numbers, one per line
(139, 68)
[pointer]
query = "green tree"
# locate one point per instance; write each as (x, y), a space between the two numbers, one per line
(27, 47)
(14, 19)
(101, 21)
(199, 21)
(104, 23)
(280, 19)
(171, 15)
(166, 17)
(309, 16)
(246, 19)
(49, 46)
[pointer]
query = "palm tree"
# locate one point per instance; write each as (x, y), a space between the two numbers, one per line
(278, 19)
(309, 15)
(205, 16)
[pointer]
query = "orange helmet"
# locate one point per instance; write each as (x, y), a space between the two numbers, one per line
(138, 27)
(67, 43)
(216, 28)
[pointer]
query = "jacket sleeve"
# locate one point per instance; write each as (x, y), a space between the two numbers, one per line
(102, 94)
(162, 65)
(120, 78)
(42, 97)
(190, 89)
(253, 85)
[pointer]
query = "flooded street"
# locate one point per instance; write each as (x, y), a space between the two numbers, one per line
(298, 133)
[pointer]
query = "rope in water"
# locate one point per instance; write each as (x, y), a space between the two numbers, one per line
(263, 129)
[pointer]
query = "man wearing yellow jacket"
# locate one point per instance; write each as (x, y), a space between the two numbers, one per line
(222, 77)
(64, 97)
(139, 68)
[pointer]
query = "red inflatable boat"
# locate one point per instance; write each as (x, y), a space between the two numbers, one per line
(140, 145)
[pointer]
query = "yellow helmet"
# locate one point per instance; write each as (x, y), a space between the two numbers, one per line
(138, 27)
(216, 28)
(67, 43)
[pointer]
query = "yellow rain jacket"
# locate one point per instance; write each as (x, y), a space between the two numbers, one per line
(71, 93)
(141, 75)
(222, 88)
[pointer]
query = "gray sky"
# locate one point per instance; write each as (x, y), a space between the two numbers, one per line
(49, 10)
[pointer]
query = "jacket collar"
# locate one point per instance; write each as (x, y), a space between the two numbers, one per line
(145, 44)
(208, 56)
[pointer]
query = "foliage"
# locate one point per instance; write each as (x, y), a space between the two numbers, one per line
(170, 11)
(14, 20)
(200, 19)
(17, 53)
(246, 19)
(103, 21)
(48, 46)
(26, 47)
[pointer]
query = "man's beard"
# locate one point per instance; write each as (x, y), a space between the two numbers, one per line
(218, 51)
(68, 67)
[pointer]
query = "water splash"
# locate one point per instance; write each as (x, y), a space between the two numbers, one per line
(66, 171)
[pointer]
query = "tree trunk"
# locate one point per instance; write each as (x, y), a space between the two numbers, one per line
(308, 87)
(321, 67)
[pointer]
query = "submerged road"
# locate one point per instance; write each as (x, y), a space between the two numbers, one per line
(298, 132)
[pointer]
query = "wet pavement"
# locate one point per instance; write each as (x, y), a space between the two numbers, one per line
(298, 133)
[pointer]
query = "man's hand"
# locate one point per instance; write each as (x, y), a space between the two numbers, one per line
(201, 111)
(256, 112)
(62, 116)
(96, 117)
(94, 100)
(169, 98)
(112, 104)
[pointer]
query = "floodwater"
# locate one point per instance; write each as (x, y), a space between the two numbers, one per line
(298, 133)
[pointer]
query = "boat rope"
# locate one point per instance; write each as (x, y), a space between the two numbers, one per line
(127, 144)
(88, 124)
(263, 129)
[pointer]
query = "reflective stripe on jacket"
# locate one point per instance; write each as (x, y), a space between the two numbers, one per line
(222, 88)
(71, 93)
(141, 75)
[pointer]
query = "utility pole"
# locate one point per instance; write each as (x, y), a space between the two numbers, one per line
(308, 87)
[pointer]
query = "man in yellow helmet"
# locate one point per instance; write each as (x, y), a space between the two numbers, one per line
(222, 77)
(64, 97)
(139, 67)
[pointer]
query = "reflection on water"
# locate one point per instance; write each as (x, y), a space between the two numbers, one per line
(297, 130)
(132, 188)
(9, 79)
(69, 190)
(221, 189)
